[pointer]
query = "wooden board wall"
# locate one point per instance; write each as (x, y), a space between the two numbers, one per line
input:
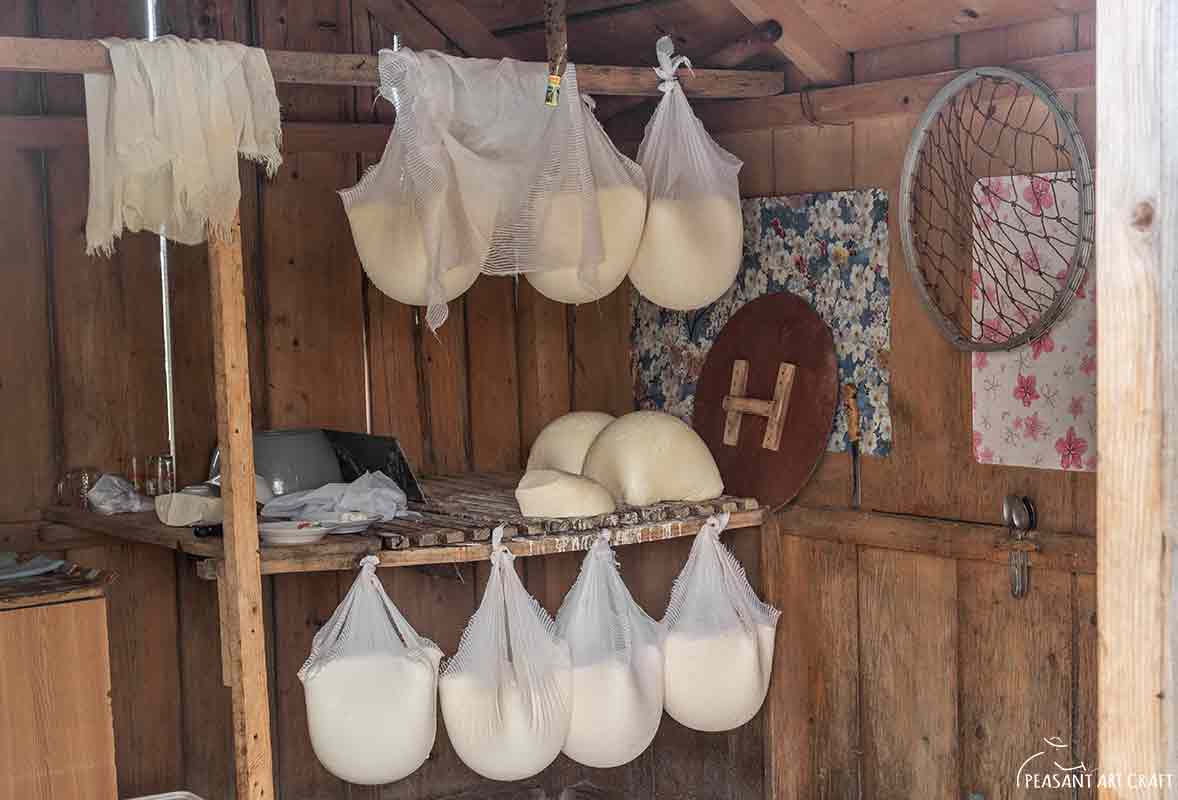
(107, 391)
(27, 389)
(920, 676)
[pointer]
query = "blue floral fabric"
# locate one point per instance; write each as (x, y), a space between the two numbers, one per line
(829, 248)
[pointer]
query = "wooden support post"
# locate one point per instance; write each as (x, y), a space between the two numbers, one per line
(1137, 500)
(239, 583)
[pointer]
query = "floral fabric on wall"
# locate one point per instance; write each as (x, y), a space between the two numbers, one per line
(830, 249)
(1035, 406)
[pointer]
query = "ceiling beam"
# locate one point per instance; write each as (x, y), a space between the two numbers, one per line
(463, 28)
(747, 47)
(400, 17)
(802, 41)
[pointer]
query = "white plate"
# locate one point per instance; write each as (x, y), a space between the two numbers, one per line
(345, 521)
(292, 532)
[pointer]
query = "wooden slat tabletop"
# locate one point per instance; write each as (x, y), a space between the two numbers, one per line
(453, 525)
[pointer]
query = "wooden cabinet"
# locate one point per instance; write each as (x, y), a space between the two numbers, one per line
(56, 733)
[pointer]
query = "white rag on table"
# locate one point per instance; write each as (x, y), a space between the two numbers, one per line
(371, 493)
(165, 131)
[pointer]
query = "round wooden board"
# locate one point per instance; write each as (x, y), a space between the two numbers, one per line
(770, 330)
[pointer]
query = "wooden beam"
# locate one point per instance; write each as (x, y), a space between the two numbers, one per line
(714, 83)
(402, 18)
(746, 47)
(970, 541)
(802, 41)
(241, 584)
(67, 56)
(1137, 389)
(464, 29)
(522, 547)
(55, 133)
(1068, 73)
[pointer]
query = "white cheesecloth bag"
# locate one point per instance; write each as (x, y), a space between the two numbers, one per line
(719, 645)
(477, 175)
(620, 187)
(691, 247)
(371, 687)
(506, 693)
(617, 655)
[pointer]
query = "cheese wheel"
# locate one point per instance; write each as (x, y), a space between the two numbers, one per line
(622, 210)
(564, 441)
(649, 457)
(552, 493)
(392, 251)
(690, 251)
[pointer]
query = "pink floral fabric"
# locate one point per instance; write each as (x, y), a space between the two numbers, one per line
(1036, 406)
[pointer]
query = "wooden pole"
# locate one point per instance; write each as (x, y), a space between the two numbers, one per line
(239, 583)
(26, 54)
(1137, 503)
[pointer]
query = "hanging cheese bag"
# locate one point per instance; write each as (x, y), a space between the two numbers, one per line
(617, 653)
(478, 175)
(719, 645)
(691, 246)
(506, 693)
(371, 688)
(620, 189)
(397, 229)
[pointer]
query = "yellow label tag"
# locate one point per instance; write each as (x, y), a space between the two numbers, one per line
(552, 93)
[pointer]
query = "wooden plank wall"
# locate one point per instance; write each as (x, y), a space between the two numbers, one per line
(918, 676)
(98, 384)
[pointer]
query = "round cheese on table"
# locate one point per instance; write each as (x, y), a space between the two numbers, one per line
(552, 493)
(564, 442)
(649, 457)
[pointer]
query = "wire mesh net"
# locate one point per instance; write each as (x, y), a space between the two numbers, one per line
(999, 195)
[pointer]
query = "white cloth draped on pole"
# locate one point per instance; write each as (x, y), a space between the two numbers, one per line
(165, 131)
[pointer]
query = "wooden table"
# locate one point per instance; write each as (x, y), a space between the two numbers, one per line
(455, 526)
